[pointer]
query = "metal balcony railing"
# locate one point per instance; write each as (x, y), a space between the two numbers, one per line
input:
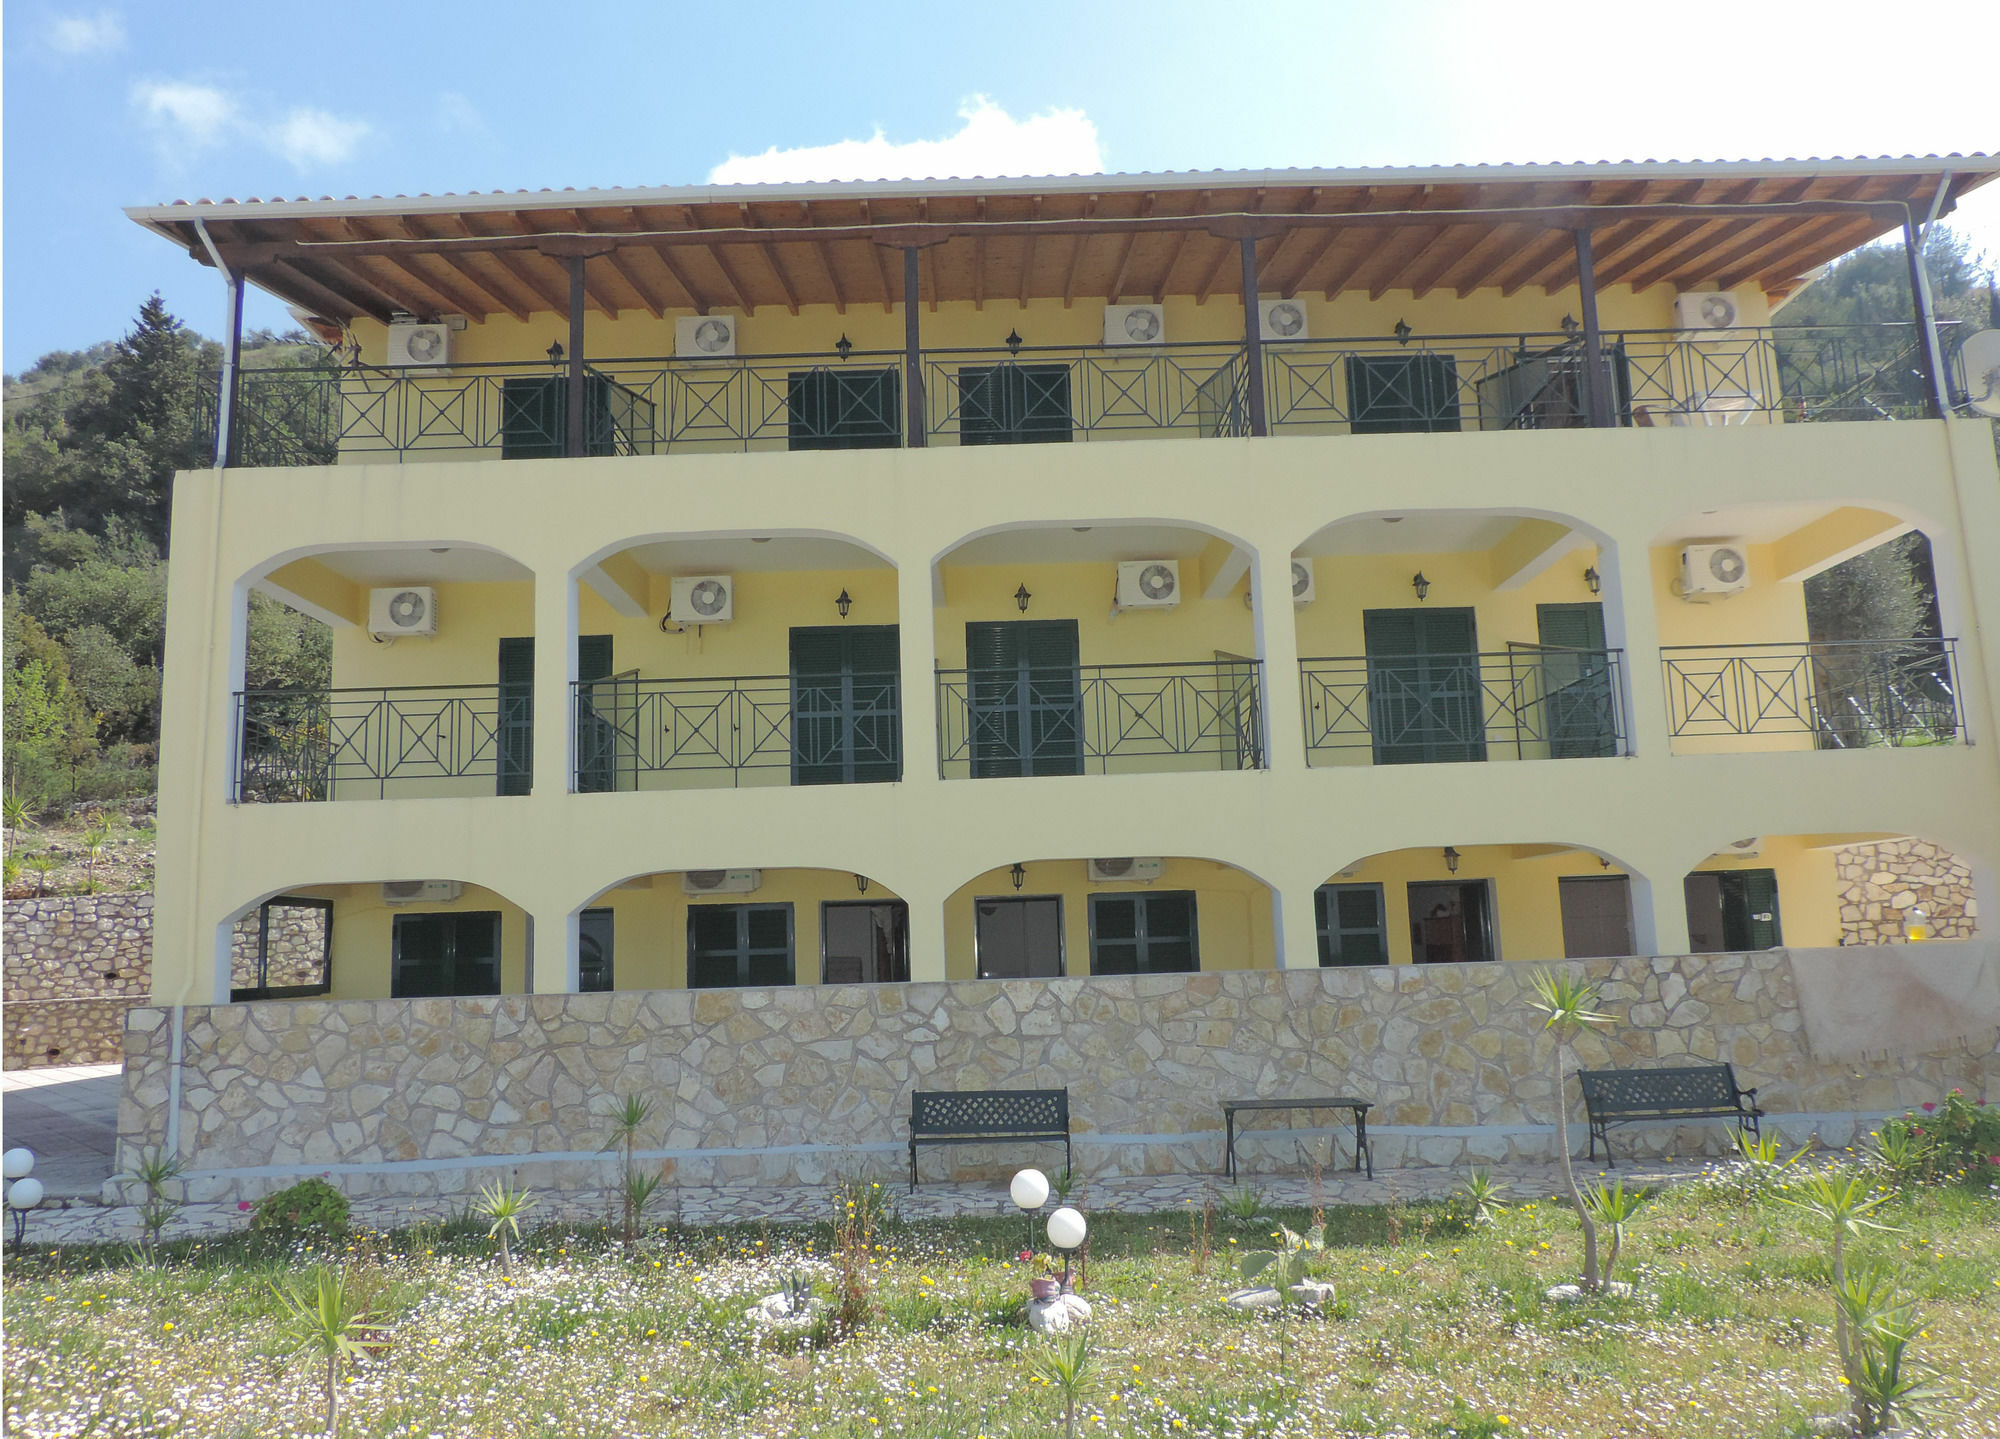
(1101, 719)
(386, 743)
(634, 733)
(1027, 394)
(1529, 702)
(1843, 694)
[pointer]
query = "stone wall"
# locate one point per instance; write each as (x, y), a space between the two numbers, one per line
(295, 945)
(75, 964)
(1878, 883)
(795, 1085)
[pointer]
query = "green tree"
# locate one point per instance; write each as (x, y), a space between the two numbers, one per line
(48, 731)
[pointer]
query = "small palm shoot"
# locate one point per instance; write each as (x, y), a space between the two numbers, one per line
(19, 814)
(1886, 1383)
(1569, 1004)
(628, 1117)
(1244, 1205)
(323, 1319)
(1292, 1262)
(1843, 1202)
(1481, 1193)
(1612, 1206)
(95, 840)
(1067, 1364)
(42, 865)
(502, 1206)
(154, 1171)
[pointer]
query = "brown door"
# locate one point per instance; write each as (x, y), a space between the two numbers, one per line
(1597, 915)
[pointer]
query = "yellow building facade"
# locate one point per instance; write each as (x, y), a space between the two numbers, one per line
(1047, 650)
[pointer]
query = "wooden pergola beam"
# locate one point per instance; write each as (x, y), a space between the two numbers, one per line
(1076, 257)
(1027, 260)
(345, 301)
(593, 294)
(1668, 245)
(825, 265)
(620, 266)
(1117, 287)
(1445, 240)
(1738, 263)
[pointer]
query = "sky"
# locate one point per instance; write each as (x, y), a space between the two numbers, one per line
(109, 105)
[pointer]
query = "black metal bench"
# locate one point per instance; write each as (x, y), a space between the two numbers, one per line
(1693, 1091)
(983, 1116)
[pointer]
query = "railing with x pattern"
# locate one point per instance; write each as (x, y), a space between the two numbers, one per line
(416, 741)
(1851, 694)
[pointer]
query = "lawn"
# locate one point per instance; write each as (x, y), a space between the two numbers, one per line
(1440, 1329)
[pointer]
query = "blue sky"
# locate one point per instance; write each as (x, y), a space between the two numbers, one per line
(108, 105)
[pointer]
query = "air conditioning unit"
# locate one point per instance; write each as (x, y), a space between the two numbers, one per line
(1704, 310)
(1112, 871)
(1714, 569)
(420, 344)
(699, 337)
(1282, 319)
(1745, 848)
(704, 599)
(721, 881)
(1149, 584)
(421, 891)
(402, 610)
(1302, 582)
(1135, 325)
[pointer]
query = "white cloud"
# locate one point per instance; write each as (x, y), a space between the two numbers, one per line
(458, 115)
(990, 143)
(315, 137)
(197, 114)
(86, 34)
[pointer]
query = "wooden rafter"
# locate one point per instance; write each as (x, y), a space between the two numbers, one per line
(772, 261)
(1742, 261)
(738, 292)
(620, 266)
(1536, 256)
(1221, 265)
(825, 265)
(347, 301)
(882, 262)
(593, 293)
(1180, 248)
(1445, 242)
(1117, 287)
(1471, 265)
(1669, 246)
(1285, 240)
(1081, 243)
(979, 258)
(1028, 259)
(1326, 242)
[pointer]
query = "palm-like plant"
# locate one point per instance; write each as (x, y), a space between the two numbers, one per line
(1293, 1261)
(1067, 1364)
(155, 1169)
(324, 1320)
(1843, 1202)
(628, 1117)
(18, 813)
(95, 840)
(1569, 1004)
(1612, 1205)
(1886, 1383)
(1481, 1193)
(503, 1205)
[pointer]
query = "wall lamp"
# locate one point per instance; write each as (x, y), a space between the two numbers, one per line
(1019, 874)
(861, 883)
(844, 603)
(1592, 578)
(1451, 858)
(1421, 585)
(555, 354)
(843, 346)
(1013, 342)
(1021, 598)
(1402, 332)
(1570, 326)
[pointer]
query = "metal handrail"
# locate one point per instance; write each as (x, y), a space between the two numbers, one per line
(1844, 694)
(361, 741)
(1114, 718)
(1539, 701)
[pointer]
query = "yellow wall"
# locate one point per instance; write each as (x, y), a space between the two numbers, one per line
(1195, 629)
(1808, 901)
(363, 930)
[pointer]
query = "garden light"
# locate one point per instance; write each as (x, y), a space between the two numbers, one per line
(1067, 1228)
(17, 1163)
(1030, 1189)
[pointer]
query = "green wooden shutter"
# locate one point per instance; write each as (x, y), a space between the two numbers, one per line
(1025, 696)
(594, 935)
(1425, 704)
(841, 409)
(596, 730)
(993, 699)
(1400, 394)
(1115, 942)
(1575, 690)
(534, 417)
(1014, 404)
(1750, 909)
(516, 719)
(846, 704)
(475, 945)
(1353, 924)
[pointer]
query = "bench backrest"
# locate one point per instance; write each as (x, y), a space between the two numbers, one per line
(1701, 1086)
(989, 1111)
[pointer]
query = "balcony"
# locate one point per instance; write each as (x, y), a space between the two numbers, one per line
(1837, 695)
(1530, 702)
(737, 731)
(1100, 719)
(408, 742)
(1022, 394)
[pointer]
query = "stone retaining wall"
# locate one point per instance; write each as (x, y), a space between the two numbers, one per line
(75, 964)
(1878, 883)
(794, 1085)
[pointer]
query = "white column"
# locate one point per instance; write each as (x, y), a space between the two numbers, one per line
(1631, 625)
(1293, 925)
(552, 952)
(927, 956)
(1278, 648)
(916, 634)
(555, 670)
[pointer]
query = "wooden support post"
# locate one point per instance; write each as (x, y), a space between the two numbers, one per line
(1253, 339)
(576, 443)
(913, 355)
(1596, 377)
(1930, 362)
(227, 455)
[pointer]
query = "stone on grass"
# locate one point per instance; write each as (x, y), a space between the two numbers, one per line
(775, 1311)
(1572, 1293)
(1312, 1294)
(1058, 1315)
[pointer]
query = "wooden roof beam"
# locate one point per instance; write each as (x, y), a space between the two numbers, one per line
(593, 293)
(346, 301)
(1117, 287)
(513, 284)
(622, 268)
(1426, 254)
(1743, 261)
(1076, 257)
(771, 261)
(1180, 248)
(1533, 258)
(1472, 264)
(1222, 264)
(1272, 266)
(489, 297)
(979, 258)
(825, 265)
(1027, 260)
(737, 291)
(890, 287)
(1668, 246)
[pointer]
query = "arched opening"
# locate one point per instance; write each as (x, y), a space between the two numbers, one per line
(728, 661)
(1125, 915)
(742, 928)
(1821, 891)
(1116, 647)
(1436, 636)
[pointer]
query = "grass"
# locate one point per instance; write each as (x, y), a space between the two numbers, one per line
(1440, 1329)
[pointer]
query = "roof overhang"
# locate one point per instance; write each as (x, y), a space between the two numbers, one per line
(1721, 224)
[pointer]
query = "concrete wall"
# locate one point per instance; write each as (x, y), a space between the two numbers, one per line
(795, 1085)
(75, 964)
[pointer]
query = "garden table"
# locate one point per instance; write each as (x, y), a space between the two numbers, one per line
(1358, 1107)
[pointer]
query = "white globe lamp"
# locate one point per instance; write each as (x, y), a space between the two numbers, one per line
(1067, 1228)
(25, 1193)
(1030, 1189)
(17, 1163)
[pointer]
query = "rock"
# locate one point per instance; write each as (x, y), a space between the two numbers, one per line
(1057, 1315)
(1312, 1294)
(774, 1311)
(1574, 1293)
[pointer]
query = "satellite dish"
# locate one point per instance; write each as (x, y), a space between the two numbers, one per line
(1981, 354)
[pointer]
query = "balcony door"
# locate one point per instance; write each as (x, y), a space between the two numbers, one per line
(1452, 923)
(1019, 937)
(847, 710)
(451, 953)
(1013, 404)
(1424, 700)
(1733, 910)
(1596, 915)
(1024, 694)
(1576, 687)
(864, 943)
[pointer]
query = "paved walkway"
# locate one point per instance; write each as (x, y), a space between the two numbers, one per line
(1148, 1194)
(69, 1116)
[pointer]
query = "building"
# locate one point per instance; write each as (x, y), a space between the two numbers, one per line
(777, 588)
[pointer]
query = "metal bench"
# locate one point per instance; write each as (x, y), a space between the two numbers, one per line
(983, 1116)
(1695, 1091)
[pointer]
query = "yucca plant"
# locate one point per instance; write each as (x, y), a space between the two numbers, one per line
(628, 1117)
(1612, 1206)
(1244, 1205)
(1909, 1155)
(42, 864)
(502, 1205)
(1569, 1004)
(1885, 1383)
(1843, 1202)
(323, 1319)
(1067, 1364)
(1481, 1193)
(95, 840)
(154, 1171)
(18, 813)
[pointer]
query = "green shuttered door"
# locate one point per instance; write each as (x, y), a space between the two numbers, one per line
(1424, 700)
(1025, 698)
(846, 705)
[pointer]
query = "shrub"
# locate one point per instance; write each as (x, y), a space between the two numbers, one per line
(1963, 1134)
(310, 1205)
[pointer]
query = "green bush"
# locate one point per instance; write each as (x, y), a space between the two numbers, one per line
(1963, 1133)
(311, 1204)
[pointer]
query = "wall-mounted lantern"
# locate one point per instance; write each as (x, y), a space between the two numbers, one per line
(1451, 858)
(844, 603)
(1570, 327)
(1014, 342)
(1421, 585)
(1593, 579)
(1019, 874)
(843, 346)
(861, 883)
(555, 354)
(1021, 598)
(1402, 332)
